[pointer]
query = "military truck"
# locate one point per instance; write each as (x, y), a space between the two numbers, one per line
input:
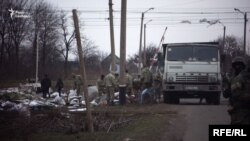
(192, 70)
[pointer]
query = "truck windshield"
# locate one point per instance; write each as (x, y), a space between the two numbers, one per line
(192, 53)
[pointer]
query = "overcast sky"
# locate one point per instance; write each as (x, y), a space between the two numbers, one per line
(170, 13)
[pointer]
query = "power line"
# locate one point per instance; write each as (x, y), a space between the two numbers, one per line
(153, 12)
(157, 24)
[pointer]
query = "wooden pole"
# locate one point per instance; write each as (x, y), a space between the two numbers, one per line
(144, 53)
(122, 86)
(245, 32)
(123, 41)
(140, 44)
(37, 56)
(83, 73)
(112, 40)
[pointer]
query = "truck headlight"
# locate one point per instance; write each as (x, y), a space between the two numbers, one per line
(170, 79)
(212, 78)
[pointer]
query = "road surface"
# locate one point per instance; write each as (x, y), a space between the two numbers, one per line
(194, 119)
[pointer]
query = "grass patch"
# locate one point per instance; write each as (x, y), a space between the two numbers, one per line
(147, 128)
(151, 123)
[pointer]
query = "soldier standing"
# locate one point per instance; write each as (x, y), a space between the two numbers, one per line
(110, 86)
(136, 86)
(77, 84)
(116, 88)
(146, 78)
(101, 85)
(238, 93)
(157, 87)
(129, 83)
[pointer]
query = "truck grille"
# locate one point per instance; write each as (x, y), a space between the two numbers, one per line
(192, 79)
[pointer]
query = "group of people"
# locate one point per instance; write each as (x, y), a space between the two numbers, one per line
(237, 90)
(109, 84)
(46, 85)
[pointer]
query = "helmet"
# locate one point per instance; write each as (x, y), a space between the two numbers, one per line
(238, 60)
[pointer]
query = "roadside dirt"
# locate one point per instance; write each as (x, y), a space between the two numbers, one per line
(158, 122)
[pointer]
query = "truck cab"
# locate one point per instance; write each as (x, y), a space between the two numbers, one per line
(192, 70)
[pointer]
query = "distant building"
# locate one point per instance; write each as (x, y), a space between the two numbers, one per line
(106, 64)
(132, 68)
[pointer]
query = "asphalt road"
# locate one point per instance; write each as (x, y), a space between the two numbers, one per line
(194, 119)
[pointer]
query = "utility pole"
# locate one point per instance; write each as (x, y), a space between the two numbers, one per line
(224, 38)
(140, 56)
(37, 56)
(83, 73)
(112, 41)
(144, 53)
(245, 32)
(245, 27)
(140, 44)
(122, 94)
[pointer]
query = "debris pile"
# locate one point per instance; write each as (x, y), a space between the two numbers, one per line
(23, 111)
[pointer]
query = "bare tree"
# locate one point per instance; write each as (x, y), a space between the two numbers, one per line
(18, 37)
(13, 32)
(68, 39)
(89, 50)
(150, 51)
(46, 30)
(18, 30)
(233, 46)
(3, 30)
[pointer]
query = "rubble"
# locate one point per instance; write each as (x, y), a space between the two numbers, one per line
(26, 98)
(26, 112)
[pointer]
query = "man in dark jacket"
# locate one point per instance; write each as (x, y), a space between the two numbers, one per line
(45, 85)
(59, 85)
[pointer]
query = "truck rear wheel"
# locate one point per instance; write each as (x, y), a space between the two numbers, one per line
(175, 99)
(170, 98)
(216, 98)
(213, 98)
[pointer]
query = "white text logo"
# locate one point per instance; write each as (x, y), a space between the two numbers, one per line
(18, 14)
(229, 132)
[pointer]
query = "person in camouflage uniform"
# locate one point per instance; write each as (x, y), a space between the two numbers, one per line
(129, 83)
(110, 86)
(146, 78)
(101, 85)
(136, 84)
(116, 88)
(157, 87)
(77, 84)
(238, 93)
